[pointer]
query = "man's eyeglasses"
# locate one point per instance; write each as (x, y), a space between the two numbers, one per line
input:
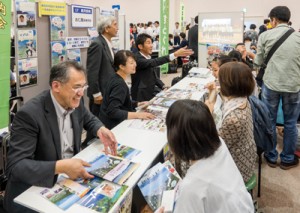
(80, 89)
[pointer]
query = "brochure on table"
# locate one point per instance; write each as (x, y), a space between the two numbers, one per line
(160, 178)
(218, 33)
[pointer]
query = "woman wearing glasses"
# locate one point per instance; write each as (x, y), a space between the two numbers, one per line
(117, 105)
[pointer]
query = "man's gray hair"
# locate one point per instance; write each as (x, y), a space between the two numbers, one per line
(103, 22)
(60, 72)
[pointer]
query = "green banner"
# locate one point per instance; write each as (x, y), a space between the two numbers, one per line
(164, 32)
(5, 19)
(182, 17)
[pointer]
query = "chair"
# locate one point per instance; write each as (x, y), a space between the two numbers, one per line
(250, 185)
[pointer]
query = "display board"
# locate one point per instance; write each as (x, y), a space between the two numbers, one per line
(218, 33)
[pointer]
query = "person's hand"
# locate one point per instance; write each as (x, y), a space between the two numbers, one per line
(143, 104)
(98, 100)
(145, 115)
(183, 52)
(251, 55)
(73, 167)
(109, 140)
(160, 210)
(210, 86)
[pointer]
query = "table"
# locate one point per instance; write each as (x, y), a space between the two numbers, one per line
(149, 142)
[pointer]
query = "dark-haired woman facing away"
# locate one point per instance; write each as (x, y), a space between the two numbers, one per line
(213, 183)
(117, 105)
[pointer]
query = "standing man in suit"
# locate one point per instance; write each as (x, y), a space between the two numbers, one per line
(193, 40)
(100, 60)
(145, 79)
(46, 133)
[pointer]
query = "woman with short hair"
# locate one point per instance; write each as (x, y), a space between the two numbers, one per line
(213, 182)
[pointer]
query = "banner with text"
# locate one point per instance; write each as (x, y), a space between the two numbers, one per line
(82, 16)
(182, 17)
(5, 21)
(164, 32)
(52, 8)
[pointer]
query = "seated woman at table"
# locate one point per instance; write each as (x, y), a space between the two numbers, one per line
(236, 85)
(213, 183)
(117, 105)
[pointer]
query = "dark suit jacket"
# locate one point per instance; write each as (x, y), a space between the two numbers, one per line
(145, 78)
(99, 66)
(35, 146)
(193, 40)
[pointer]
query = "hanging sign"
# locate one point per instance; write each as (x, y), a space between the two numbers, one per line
(52, 8)
(82, 16)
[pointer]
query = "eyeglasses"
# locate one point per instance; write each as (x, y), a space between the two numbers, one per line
(80, 89)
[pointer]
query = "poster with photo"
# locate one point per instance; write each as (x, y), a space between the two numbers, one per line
(27, 43)
(26, 13)
(57, 28)
(93, 33)
(58, 52)
(74, 55)
(27, 72)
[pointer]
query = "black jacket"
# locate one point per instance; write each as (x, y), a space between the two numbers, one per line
(35, 146)
(99, 66)
(145, 78)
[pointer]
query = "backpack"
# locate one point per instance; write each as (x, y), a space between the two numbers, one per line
(262, 126)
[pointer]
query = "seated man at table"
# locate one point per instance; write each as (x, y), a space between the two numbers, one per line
(46, 133)
(145, 79)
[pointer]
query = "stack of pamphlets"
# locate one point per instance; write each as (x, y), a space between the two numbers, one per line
(97, 194)
(101, 192)
(127, 152)
(160, 178)
(200, 72)
(157, 124)
(111, 168)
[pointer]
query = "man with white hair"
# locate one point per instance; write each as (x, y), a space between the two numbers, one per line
(100, 58)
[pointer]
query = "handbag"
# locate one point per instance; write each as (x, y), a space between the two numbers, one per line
(261, 72)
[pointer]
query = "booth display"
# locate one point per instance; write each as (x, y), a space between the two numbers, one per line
(218, 34)
(27, 71)
(58, 52)
(57, 28)
(26, 43)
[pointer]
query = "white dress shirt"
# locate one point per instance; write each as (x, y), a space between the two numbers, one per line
(65, 129)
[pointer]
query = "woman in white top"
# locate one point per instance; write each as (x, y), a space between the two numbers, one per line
(213, 183)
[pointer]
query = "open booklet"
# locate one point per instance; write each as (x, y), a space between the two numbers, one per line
(111, 168)
(160, 178)
(97, 194)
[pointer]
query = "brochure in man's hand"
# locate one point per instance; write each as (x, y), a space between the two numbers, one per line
(114, 169)
(97, 194)
(160, 178)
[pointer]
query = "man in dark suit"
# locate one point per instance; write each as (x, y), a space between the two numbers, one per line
(100, 60)
(193, 40)
(145, 78)
(46, 133)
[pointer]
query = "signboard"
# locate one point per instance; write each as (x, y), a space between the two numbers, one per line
(77, 42)
(52, 8)
(182, 17)
(5, 19)
(82, 16)
(164, 32)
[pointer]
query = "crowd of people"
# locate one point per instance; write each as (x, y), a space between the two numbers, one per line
(220, 157)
